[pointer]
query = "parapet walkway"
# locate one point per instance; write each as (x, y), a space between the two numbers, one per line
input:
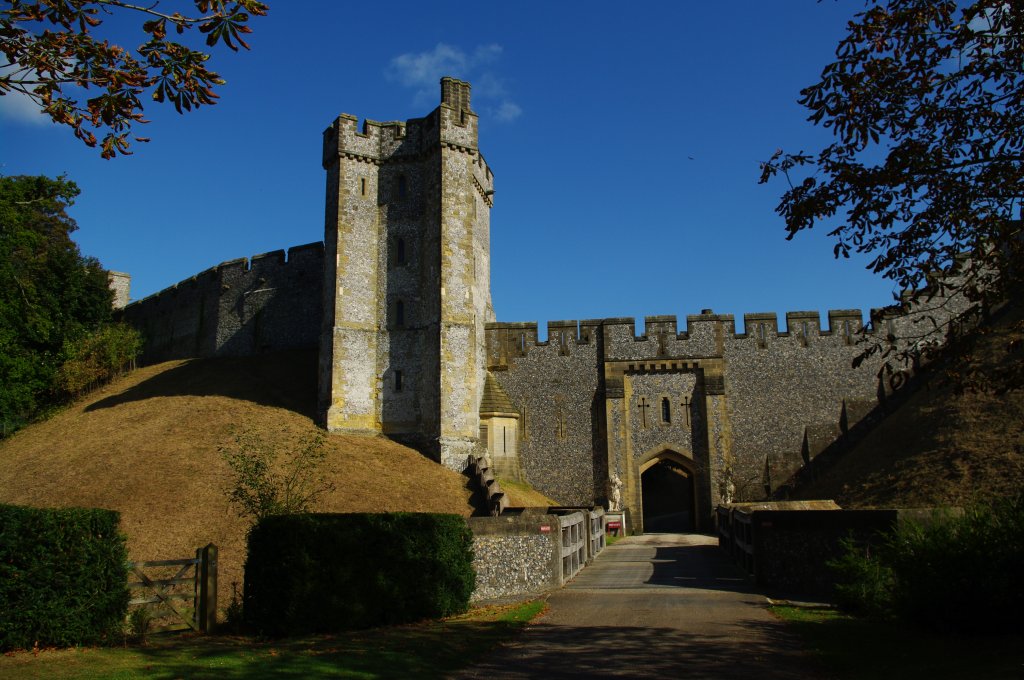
(654, 606)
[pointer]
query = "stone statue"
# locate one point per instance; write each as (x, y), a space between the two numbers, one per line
(614, 493)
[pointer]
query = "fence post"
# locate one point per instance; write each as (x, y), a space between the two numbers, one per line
(206, 612)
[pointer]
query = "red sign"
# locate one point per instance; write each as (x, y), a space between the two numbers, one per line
(613, 525)
(545, 528)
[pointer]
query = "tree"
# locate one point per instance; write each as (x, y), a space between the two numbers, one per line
(56, 57)
(50, 295)
(264, 486)
(926, 174)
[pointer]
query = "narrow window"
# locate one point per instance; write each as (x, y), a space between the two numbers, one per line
(398, 381)
(666, 411)
(403, 186)
(400, 251)
(399, 314)
(362, 186)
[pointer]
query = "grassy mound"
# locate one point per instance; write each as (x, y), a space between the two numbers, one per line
(147, 446)
(939, 447)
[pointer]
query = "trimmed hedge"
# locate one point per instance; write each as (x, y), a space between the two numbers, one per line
(319, 573)
(63, 576)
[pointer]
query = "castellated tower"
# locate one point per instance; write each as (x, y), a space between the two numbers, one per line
(407, 278)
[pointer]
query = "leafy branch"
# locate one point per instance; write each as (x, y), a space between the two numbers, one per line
(925, 175)
(54, 57)
(263, 487)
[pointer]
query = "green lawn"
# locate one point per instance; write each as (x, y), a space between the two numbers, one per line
(853, 649)
(425, 650)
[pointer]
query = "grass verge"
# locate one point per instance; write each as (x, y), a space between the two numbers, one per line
(430, 649)
(852, 648)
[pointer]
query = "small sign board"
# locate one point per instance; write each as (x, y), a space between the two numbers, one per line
(613, 525)
(545, 528)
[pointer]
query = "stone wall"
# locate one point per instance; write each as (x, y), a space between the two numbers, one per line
(515, 556)
(121, 284)
(554, 385)
(791, 549)
(779, 384)
(735, 410)
(242, 307)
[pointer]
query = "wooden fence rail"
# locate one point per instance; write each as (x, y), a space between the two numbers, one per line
(164, 585)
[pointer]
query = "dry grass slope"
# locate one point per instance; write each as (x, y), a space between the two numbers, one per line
(939, 448)
(147, 446)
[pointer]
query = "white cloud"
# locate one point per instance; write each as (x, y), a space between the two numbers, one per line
(426, 68)
(508, 111)
(20, 107)
(422, 71)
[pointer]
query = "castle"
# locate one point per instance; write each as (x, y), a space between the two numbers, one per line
(397, 301)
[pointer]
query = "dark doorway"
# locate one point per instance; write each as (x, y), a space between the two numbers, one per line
(667, 489)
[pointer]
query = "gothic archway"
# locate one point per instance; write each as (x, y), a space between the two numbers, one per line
(668, 492)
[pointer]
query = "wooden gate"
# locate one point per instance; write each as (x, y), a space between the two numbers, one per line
(178, 594)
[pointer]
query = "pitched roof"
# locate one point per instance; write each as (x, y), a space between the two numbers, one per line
(495, 400)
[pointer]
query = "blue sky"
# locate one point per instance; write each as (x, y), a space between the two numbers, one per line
(625, 142)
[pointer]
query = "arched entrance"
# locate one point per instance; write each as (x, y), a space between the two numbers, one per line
(668, 494)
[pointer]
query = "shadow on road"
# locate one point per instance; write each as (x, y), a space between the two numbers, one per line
(698, 566)
(608, 652)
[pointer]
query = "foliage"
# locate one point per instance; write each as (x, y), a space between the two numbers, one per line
(262, 489)
(50, 294)
(63, 576)
(98, 357)
(57, 58)
(926, 104)
(956, 572)
(140, 620)
(329, 572)
(864, 583)
(234, 619)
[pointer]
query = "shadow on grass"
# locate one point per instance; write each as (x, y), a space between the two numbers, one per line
(282, 379)
(855, 649)
(430, 650)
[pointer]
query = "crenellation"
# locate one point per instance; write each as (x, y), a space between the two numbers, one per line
(264, 263)
(306, 254)
(664, 324)
(845, 323)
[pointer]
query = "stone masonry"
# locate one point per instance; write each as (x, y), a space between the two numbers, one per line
(397, 299)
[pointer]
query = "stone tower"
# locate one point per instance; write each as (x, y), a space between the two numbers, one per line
(407, 278)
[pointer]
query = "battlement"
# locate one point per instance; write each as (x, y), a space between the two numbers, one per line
(455, 93)
(453, 125)
(306, 258)
(802, 322)
(703, 336)
(377, 141)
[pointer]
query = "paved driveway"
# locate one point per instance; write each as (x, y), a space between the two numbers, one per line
(654, 606)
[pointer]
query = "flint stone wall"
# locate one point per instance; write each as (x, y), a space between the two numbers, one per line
(238, 308)
(513, 557)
